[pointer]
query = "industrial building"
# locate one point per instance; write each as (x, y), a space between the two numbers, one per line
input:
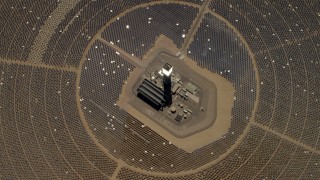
(152, 94)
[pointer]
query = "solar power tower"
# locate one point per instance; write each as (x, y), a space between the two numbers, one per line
(167, 71)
